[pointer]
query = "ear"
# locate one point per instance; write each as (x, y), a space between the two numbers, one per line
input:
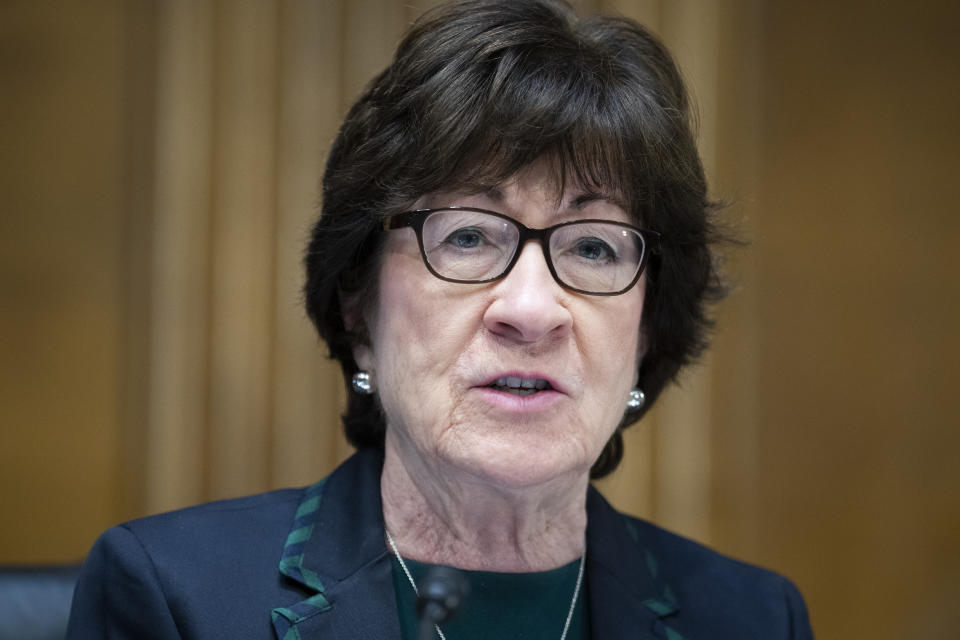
(363, 356)
(357, 326)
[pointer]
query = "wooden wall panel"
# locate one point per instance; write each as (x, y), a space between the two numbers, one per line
(62, 171)
(858, 312)
(305, 438)
(163, 176)
(179, 280)
(241, 249)
(736, 376)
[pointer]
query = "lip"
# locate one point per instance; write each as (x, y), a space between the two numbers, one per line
(554, 384)
(537, 403)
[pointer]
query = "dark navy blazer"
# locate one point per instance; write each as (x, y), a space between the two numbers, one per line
(312, 563)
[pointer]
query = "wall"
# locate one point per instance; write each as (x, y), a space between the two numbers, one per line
(67, 458)
(160, 169)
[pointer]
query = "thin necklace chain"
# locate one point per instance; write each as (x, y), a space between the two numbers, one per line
(573, 601)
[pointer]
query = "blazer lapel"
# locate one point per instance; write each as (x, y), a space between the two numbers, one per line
(335, 550)
(628, 598)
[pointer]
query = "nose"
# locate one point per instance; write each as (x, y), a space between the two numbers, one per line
(528, 301)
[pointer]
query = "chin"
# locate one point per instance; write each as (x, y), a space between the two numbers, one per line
(516, 464)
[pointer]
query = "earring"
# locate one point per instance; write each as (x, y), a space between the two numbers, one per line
(361, 383)
(636, 400)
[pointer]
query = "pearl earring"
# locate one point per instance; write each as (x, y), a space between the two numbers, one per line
(362, 383)
(636, 400)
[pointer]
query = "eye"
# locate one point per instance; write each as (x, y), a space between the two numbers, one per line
(594, 249)
(465, 238)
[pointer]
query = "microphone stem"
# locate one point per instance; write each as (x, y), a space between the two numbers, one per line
(426, 630)
(432, 612)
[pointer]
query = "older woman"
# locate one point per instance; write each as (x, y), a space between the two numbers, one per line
(512, 260)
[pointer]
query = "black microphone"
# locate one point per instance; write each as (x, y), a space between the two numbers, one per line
(442, 592)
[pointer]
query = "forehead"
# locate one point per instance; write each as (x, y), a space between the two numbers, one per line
(539, 184)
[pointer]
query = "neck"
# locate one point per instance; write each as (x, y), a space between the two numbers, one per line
(438, 515)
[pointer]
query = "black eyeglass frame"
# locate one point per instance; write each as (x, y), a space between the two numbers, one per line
(415, 219)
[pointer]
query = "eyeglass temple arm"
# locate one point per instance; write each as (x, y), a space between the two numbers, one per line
(653, 238)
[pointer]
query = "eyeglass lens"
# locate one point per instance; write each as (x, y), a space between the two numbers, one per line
(465, 245)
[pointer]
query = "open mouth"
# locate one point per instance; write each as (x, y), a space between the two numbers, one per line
(520, 386)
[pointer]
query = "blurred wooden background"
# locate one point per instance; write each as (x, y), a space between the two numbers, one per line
(160, 163)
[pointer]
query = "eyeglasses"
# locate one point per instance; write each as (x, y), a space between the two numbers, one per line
(466, 245)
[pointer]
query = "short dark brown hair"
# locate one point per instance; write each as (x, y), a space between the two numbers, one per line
(481, 89)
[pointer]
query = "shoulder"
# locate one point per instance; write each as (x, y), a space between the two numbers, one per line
(730, 597)
(697, 570)
(225, 569)
(180, 566)
(240, 539)
(700, 590)
(242, 521)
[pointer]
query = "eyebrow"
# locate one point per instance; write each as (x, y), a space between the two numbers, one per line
(578, 201)
(583, 199)
(494, 193)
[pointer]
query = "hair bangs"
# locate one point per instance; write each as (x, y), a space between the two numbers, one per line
(525, 105)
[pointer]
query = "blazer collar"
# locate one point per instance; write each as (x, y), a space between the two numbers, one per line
(335, 550)
(628, 596)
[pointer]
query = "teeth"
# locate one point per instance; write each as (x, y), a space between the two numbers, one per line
(513, 382)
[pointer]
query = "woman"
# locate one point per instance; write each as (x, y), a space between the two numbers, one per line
(512, 260)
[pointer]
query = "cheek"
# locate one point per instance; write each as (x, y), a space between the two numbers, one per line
(401, 325)
(623, 320)
(616, 353)
(418, 334)
(399, 353)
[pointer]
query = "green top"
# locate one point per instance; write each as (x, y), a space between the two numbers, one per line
(503, 605)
